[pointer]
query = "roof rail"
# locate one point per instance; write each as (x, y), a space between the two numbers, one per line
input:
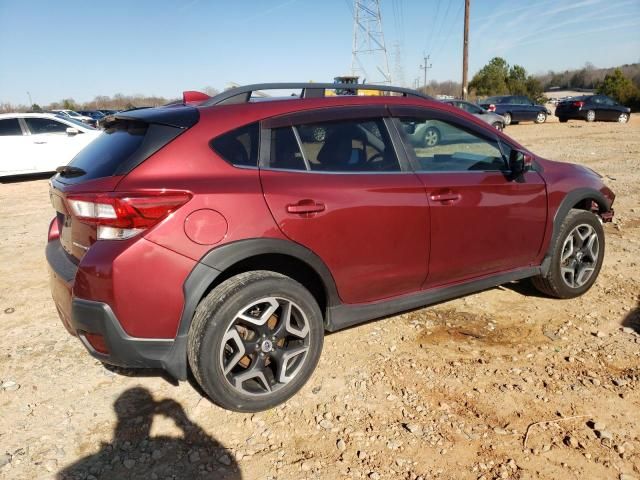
(308, 90)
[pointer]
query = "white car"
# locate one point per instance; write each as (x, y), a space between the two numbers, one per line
(40, 142)
(73, 115)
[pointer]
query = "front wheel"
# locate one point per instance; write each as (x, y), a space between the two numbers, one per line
(623, 118)
(255, 340)
(541, 117)
(498, 126)
(576, 257)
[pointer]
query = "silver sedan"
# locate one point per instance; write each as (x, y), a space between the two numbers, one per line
(491, 118)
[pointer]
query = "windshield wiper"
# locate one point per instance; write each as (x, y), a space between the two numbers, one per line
(69, 171)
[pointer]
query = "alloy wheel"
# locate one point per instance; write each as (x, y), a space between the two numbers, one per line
(591, 116)
(579, 256)
(265, 346)
(541, 117)
(623, 118)
(431, 137)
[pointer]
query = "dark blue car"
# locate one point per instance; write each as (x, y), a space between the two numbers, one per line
(516, 108)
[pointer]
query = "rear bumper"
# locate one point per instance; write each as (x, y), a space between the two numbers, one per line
(81, 316)
(123, 350)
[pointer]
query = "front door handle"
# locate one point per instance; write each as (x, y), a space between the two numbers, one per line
(445, 197)
(306, 206)
(40, 143)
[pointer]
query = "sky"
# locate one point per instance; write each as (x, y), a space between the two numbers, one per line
(79, 49)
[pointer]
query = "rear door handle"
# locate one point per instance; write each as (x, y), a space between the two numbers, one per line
(445, 197)
(306, 206)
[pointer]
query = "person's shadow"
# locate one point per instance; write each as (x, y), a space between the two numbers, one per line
(632, 319)
(134, 454)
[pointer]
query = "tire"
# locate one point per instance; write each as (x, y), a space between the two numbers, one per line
(591, 116)
(507, 118)
(432, 137)
(573, 267)
(257, 361)
(563, 119)
(541, 117)
(498, 126)
(623, 118)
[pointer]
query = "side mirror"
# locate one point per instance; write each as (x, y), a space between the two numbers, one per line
(519, 163)
(72, 131)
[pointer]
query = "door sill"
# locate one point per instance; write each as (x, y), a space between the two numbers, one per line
(344, 316)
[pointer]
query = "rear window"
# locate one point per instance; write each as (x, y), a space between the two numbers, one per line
(116, 145)
(239, 147)
(10, 126)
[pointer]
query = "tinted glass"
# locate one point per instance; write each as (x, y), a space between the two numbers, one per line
(285, 151)
(443, 147)
(239, 147)
(103, 156)
(10, 126)
(45, 125)
(348, 146)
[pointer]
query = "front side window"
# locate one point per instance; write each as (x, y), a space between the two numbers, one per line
(45, 125)
(440, 146)
(239, 147)
(469, 107)
(10, 127)
(343, 146)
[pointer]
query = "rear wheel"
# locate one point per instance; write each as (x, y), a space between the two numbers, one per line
(541, 117)
(591, 116)
(563, 119)
(507, 118)
(255, 340)
(623, 118)
(576, 258)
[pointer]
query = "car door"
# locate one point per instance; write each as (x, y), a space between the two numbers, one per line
(51, 145)
(335, 184)
(482, 221)
(14, 145)
(611, 108)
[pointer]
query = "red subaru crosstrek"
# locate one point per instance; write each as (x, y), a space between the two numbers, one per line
(226, 235)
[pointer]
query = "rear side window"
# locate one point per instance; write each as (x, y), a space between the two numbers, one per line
(9, 127)
(239, 147)
(45, 125)
(344, 146)
(103, 156)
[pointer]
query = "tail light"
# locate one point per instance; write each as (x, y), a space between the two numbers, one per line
(578, 104)
(119, 216)
(491, 108)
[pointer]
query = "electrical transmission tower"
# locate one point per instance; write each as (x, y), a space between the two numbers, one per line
(368, 41)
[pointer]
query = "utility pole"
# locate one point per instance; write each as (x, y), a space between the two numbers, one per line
(30, 101)
(465, 51)
(425, 66)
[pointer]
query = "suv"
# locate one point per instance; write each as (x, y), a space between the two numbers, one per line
(225, 236)
(516, 108)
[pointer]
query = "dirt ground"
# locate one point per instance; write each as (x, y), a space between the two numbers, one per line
(453, 391)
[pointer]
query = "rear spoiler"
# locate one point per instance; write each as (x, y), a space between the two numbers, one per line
(182, 117)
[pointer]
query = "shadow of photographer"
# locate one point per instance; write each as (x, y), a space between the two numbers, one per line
(632, 319)
(134, 454)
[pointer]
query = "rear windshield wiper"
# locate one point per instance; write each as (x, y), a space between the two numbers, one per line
(69, 171)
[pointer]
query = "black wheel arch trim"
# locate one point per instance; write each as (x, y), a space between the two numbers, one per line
(219, 259)
(568, 202)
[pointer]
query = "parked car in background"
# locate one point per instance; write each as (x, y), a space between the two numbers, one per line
(492, 118)
(76, 116)
(225, 237)
(40, 142)
(592, 108)
(516, 108)
(108, 112)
